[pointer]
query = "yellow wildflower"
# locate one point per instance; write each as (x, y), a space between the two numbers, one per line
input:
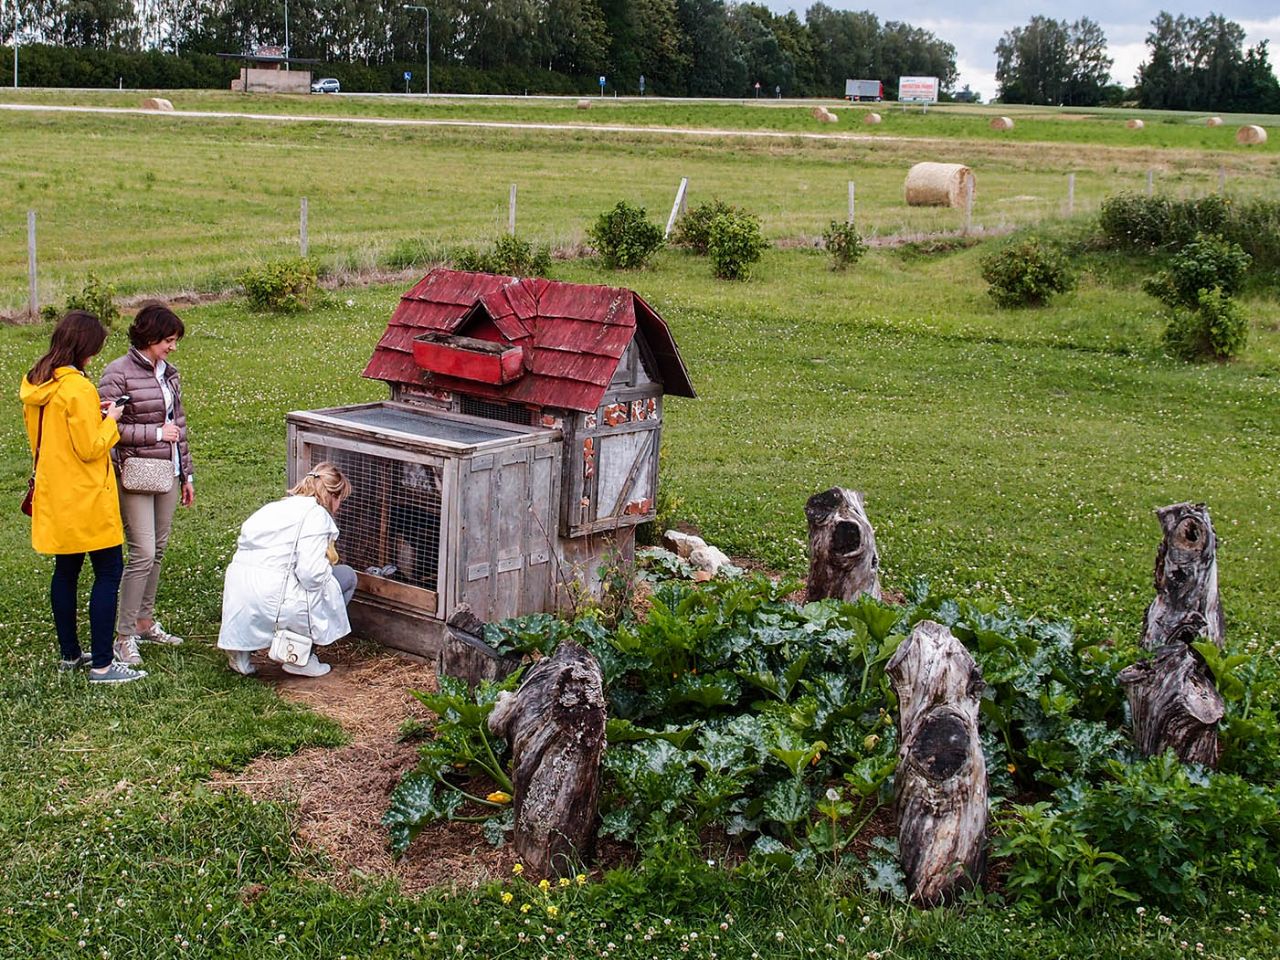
(544, 884)
(518, 869)
(506, 897)
(524, 907)
(499, 796)
(581, 878)
(553, 911)
(564, 881)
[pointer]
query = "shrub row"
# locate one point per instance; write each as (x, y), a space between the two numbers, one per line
(1131, 221)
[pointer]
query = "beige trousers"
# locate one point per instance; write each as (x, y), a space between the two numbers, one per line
(147, 518)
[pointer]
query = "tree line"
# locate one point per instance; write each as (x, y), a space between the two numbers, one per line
(1192, 64)
(680, 47)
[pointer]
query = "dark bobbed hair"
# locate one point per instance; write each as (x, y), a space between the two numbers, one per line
(76, 339)
(154, 322)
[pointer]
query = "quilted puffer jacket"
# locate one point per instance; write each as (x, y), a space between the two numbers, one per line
(135, 375)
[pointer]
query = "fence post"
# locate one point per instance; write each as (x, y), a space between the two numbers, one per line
(31, 264)
(852, 201)
(511, 211)
(1071, 194)
(677, 206)
(968, 205)
(303, 243)
(1151, 182)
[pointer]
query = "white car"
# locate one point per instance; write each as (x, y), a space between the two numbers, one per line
(325, 85)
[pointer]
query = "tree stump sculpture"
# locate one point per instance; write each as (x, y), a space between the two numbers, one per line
(465, 655)
(1186, 577)
(555, 725)
(1172, 698)
(941, 784)
(843, 561)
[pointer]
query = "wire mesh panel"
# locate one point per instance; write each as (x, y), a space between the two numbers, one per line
(390, 525)
(495, 411)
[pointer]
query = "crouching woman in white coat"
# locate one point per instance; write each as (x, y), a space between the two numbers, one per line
(283, 575)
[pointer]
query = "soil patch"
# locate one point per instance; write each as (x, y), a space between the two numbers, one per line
(340, 794)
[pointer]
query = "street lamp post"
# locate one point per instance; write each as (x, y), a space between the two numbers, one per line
(286, 35)
(427, 11)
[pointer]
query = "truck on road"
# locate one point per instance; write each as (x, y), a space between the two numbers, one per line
(864, 90)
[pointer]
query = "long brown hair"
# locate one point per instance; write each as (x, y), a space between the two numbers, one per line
(78, 336)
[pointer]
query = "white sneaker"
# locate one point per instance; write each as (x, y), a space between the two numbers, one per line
(312, 668)
(125, 650)
(238, 661)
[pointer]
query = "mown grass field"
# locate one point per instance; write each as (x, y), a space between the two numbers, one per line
(1015, 454)
(162, 203)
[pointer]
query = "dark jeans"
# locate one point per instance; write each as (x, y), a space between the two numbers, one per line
(108, 565)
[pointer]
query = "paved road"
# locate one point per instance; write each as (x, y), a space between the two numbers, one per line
(483, 124)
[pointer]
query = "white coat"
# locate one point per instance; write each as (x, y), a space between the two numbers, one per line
(269, 577)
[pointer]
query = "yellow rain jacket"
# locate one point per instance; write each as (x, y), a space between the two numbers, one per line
(76, 508)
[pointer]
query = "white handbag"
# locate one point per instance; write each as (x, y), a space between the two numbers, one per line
(145, 475)
(289, 646)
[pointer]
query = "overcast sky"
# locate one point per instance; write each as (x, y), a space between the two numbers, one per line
(975, 27)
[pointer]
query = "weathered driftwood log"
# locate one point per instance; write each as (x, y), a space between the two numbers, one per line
(1174, 703)
(555, 725)
(941, 784)
(1172, 699)
(465, 655)
(1186, 578)
(843, 561)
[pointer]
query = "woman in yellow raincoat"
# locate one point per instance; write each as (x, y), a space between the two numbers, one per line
(75, 509)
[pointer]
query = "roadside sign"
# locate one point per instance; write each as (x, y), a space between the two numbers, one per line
(918, 90)
(408, 75)
(602, 86)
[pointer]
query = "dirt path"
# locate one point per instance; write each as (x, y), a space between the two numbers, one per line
(341, 793)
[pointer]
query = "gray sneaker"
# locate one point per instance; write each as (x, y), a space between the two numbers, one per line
(66, 666)
(126, 651)
(117, 673)
(157, 634)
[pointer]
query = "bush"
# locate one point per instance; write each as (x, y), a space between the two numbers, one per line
(693, 230)
(1026, 274)
(1134, 221)
(284, 286)
(1205, 263)
(842, 242)
(734, 244)
(1216, 328)
(624, 237)
(96, 297)
(510, 255)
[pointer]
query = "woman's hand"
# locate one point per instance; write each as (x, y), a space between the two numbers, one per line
(188, 493)
(112, 409)
(170, 433)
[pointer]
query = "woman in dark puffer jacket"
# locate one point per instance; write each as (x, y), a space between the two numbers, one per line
(153, 427)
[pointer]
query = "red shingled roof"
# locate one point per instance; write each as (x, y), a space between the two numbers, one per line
(573, 336)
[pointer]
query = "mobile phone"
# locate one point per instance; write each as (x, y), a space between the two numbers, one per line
(124, 398)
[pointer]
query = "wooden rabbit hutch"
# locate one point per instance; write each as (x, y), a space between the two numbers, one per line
(517, 453)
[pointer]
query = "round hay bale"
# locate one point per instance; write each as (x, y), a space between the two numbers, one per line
(584, 104)
(823, 115)
(1213, 122)
(1134, 124)
(156, 103)
(1251, 133)
(939, 184)
(1001, 123)
(871, 119)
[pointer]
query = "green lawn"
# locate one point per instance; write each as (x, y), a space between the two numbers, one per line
(1016, 454)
